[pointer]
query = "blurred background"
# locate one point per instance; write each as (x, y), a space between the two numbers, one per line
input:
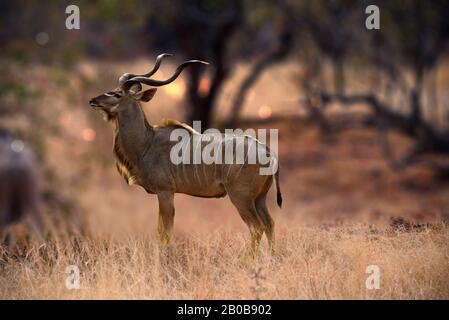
(362, 114)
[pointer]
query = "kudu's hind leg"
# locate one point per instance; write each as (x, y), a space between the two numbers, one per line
(166, 216)
(262, 209)
(251, 218)
(5, 235)
(248, 212)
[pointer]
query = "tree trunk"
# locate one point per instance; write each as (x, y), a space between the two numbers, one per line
(284, 46)
(339, 76)
(202, 112)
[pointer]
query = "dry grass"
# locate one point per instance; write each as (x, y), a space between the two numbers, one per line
(338, 199)
(311, 263)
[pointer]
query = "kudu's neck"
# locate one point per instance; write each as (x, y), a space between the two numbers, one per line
(133, 132)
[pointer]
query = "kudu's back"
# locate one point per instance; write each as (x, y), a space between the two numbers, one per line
(183, 164)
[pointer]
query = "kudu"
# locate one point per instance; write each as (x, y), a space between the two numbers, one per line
(19, 196)
(142, 153)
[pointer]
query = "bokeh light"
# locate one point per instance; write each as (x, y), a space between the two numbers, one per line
(264, 112)
(204, 86)
(175, 90)
(42, 38)
(88, 134)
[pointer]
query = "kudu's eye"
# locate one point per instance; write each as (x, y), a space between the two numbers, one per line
(114, 94)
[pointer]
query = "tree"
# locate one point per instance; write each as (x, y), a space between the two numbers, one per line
(222, 33)
(200, 29)
(412, 39)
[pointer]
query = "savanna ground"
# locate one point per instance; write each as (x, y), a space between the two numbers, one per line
(339, 199)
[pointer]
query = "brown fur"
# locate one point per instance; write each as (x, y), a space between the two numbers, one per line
(143, 151)
(19, 194)
(172, 123)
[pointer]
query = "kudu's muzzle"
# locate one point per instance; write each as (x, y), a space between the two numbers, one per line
(93, 103)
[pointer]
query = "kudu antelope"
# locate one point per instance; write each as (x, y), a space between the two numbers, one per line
(19, 195)
(142, 153)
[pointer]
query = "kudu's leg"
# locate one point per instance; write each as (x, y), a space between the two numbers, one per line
(255, 228)
(5, 235)
(248, 212)
(166, 216)
(33, 216)
(262, 209)
(35, 225)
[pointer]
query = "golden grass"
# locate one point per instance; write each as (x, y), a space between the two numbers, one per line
(345, 181)
(311, 263)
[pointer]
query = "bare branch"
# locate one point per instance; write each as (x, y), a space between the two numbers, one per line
(278, 54)
(428, 139)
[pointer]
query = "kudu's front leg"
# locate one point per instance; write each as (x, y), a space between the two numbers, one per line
(166, 216)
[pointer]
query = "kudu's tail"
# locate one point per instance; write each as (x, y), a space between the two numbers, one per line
(278, 189)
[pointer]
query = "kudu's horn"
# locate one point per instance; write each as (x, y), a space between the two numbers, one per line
(158, 83)
(128, 76)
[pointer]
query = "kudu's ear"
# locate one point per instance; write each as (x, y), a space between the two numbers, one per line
(147, 95)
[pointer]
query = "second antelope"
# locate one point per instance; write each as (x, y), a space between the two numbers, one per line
(142, 153)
